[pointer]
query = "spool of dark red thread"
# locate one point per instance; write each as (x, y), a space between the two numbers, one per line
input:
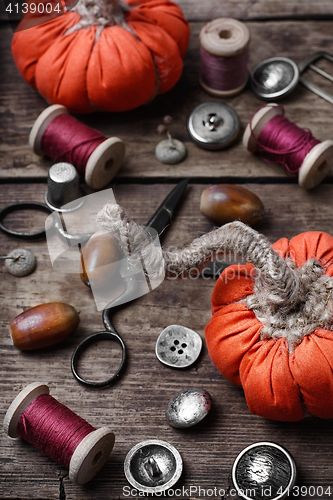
(278, 140)
(224, 57)
(63, 138)
(58, 432)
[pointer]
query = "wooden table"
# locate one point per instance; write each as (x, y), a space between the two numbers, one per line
(135, 406)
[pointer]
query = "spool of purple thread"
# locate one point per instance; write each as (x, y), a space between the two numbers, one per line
(224, 57)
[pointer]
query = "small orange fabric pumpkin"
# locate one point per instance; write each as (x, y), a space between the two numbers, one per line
(104, 54)
(282, 357)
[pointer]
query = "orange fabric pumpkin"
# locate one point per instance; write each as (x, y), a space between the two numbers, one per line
(114, 58)
(280, 381)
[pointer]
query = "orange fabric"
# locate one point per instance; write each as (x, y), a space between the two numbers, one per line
(231, 332)
(118, 72)
(30, 44)
(124, 80)
(61, 71)
(311, 366)
(268, 384)
(276, 384)
(170, 20)
(164, 51)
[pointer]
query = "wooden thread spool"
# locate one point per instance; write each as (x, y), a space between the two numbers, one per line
(316, 164)
(104, 162)
(224, 56)
(91, 453)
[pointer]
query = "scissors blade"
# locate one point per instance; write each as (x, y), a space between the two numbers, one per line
(163, 215)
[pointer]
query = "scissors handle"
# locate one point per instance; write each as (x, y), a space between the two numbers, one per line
(86, 342)
(14, 207)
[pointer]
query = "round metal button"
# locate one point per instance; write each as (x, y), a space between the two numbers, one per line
(188, 407)
(213, 125)
(178, 346)
(275, 77)
(264, 471)
(153, 466)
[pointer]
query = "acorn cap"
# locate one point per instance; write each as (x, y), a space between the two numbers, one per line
(63, 188)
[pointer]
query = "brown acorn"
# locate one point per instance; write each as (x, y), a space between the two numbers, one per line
(225, 203)
(43, 326)
(100, 251)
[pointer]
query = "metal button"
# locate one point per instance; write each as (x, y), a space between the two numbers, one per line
(275, 77)
(153, 466)
(188, 407)
(178, 346)
(264, 471)
(213, 125)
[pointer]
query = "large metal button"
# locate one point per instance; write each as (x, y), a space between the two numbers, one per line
(153, 466)
(213, 125)
(178, 346)
(264, 471)
(275, 77)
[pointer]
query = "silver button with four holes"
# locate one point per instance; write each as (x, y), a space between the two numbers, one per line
(178, 346)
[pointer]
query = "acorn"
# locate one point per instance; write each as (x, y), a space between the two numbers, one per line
(100, 251)
(43, 326)
(225, 203)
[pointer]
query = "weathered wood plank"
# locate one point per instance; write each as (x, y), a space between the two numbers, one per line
(20, 106)
(253, 9)
(195, 10)
(134, 407)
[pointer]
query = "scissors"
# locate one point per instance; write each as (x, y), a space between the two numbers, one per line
(159, 222)
(72, 239)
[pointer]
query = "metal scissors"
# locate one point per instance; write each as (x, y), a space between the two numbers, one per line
(159, 221)
(72, 239)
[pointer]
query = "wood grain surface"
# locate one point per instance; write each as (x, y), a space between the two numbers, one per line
(21, 105)
(134, 408)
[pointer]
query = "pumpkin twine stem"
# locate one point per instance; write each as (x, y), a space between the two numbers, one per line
(290, 302)
(100, 13)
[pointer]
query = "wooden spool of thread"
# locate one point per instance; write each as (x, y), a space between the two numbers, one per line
(58, 432)
(224, 57)
(280, 141)
(63, 138)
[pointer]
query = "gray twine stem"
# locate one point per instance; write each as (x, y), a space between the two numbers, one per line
(282, 285)
(100, 13)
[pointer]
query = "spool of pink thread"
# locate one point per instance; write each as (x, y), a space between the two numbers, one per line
(63, 138)
(58, 432)
(224, 57)
(279, 140)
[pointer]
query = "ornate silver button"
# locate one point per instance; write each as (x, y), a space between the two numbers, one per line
(264, 471)
(178, 346)
(153, 466)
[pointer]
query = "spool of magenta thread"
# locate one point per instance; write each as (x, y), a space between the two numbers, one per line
(279, 140)
(224, 57)
(63, 138)
(58, 432)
